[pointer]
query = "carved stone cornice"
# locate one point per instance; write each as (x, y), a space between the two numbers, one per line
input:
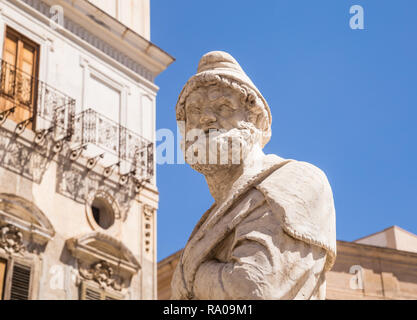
(81, 32)
(11, 239)
(26, 217)
(104, 260)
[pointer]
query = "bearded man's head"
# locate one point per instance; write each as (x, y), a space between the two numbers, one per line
(222, 114)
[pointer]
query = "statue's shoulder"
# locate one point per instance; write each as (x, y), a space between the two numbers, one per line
(300, 193)
(300, 180)
(294, 169)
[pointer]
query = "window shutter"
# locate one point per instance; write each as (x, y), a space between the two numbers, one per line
(108, 297)
(25, 76)
(91, 294)
(8, 72)
(20, 282)
(88, 292)
(3, 266)
(10, 50)
(18, 77)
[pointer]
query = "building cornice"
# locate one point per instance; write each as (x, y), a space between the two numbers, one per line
(348, 249)
(170, 259)
(111, 38)
(387, 254)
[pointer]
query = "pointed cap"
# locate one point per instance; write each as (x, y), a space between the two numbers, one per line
(223, 64)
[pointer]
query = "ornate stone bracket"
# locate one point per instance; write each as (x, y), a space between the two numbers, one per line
(11, 239)
(148, 211)
(23, 226)
(102, 273)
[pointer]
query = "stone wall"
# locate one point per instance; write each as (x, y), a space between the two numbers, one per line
(361, 272)
(50, 183)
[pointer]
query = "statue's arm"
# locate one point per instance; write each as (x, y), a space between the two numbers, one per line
(264, 263)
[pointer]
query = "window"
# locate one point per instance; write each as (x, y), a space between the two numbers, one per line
(15, 280)
(91, 291)
(19, 76)
(103, 97)
(102, 210)
(102, 213)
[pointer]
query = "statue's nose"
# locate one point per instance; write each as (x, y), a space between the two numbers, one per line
(207, 117)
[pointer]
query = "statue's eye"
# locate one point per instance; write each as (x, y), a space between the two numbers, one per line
(194, 110)
(226, 109)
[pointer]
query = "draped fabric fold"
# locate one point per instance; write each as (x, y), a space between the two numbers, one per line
(295, 197)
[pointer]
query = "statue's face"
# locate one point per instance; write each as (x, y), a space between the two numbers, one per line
(214, 108)
(218, 133)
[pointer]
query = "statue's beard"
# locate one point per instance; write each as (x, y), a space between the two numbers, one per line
(221, 149)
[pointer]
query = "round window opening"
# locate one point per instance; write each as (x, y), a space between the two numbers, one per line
(102, 213)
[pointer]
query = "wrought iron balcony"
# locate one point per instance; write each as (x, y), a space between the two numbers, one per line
(33, 103)
(103, 140)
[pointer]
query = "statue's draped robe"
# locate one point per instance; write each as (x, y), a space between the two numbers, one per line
(273, 238)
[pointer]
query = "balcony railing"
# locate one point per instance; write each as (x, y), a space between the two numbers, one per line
(33, 103)
(106, 141)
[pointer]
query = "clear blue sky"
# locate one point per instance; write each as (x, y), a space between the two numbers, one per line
(344, 100)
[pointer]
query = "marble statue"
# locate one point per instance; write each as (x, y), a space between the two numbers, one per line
(270, 233)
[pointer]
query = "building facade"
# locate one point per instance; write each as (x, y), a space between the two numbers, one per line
(78, 194)
(380, 266)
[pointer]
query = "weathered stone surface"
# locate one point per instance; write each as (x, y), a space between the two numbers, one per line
(361, 272)
(271, 232)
